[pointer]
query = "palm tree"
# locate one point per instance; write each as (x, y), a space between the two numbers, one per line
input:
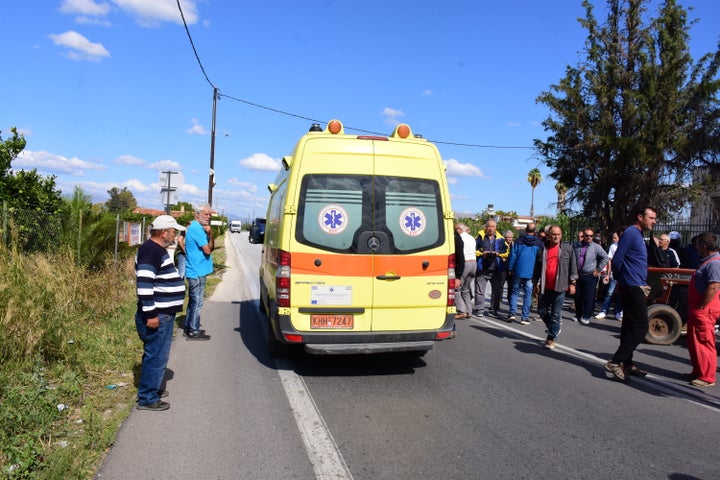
(534, 178)
(561, 190)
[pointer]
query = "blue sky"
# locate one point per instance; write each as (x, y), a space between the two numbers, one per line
(108, 93)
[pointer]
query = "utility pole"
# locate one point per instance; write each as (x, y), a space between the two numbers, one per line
(167, 190)
(211, 182)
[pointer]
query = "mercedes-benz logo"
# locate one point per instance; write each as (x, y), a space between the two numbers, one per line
(373, 243)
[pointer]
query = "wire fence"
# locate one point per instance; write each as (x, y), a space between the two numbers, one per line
(686, 228)
(30, 230)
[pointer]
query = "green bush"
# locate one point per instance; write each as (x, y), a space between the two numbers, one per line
(67, 334)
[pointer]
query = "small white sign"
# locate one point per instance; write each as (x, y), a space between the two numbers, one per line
(330, 295)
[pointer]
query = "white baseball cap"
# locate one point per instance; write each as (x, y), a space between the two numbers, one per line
(165, 221)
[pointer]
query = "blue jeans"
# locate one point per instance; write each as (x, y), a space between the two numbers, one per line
(527, 296)
(608, 298)
(156, 351)
(585, 296)
(196, 295)
(550, 305)
(181, 261)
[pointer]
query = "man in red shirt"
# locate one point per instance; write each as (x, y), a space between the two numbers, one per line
(555, 272)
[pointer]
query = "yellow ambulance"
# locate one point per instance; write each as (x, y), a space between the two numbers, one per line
(358, 255)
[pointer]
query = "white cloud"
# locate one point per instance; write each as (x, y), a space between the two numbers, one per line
(83, 20)
(135, 185)
(427, 93)
(150, 13)
(392, 115)
(197, 129)
(261, 161)
(52, 163)
(129, 160)
(251, 187)
(165, 165)
(455, 168)
(80, 48)
(147, 13)
(85, 7)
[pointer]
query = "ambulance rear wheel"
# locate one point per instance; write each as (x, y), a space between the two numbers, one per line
(276, 348)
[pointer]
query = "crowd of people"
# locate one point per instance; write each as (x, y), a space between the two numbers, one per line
(542, 268)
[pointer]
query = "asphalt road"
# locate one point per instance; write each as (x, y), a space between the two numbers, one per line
(489, 404)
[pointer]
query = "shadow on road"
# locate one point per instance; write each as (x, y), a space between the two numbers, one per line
(253, 334)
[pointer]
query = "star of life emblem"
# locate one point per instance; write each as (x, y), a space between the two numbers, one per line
(412, 222)
(333, 219)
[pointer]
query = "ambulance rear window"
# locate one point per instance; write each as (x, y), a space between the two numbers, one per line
(342, 212)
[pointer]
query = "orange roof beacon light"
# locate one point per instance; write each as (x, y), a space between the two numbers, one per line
(402, 131)
(335, 127)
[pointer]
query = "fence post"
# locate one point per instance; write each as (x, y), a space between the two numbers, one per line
(79, 237)
(4, 223)
(117, 232)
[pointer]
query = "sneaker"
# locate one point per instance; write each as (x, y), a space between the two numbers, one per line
(494, 313)
(158, 406)
(616, 370)
(636, 372)
(524, 321)
(701, 383)
(585, 321)
(550, 344)
(185, 332)
(164, 393)
(574, 319)
(600, 315)
(478, 314)
(196, 336)
(510, 318)
(618, 316)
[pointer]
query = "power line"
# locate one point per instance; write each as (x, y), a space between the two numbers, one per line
(355, 129)
(295, 115)
(192, 44)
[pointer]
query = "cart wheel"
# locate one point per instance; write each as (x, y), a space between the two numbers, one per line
(665, 324)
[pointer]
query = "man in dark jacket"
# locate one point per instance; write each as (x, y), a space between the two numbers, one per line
(555, 271)
(521, 266)
(491, 250)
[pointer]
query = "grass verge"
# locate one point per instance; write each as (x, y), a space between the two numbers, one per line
(69, 358)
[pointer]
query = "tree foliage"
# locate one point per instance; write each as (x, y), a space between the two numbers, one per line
(32, 200)
(25, 189)
(120, 201)
(534, 178)
(632, 123)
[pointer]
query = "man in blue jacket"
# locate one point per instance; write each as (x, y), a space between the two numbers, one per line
(629, 267)
(520, 268)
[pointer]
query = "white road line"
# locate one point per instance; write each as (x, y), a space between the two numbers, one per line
(323, 452)
(659, 383)
(325, 456)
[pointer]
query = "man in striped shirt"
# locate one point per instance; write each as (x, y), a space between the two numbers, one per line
(160, 293)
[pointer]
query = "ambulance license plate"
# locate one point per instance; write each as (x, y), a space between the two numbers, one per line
(331, 321)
